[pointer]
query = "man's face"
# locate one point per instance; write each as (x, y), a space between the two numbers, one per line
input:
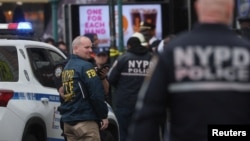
(147, 34)
(96, 41)
(101, 59)
(84, 50)
(62, 47)
(244, 24)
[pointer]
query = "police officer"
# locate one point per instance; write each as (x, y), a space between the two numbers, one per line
(102, 67)
(126, 76)
(202, 77)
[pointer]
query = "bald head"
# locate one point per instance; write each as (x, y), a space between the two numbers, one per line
(215, 11)
(79, 40)
(82, 47)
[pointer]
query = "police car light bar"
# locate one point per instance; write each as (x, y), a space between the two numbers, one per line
(16, 26)
(22, 28)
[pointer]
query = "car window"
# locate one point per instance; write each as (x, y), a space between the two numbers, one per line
(9, 70)
(43, 62)
(42, 66)
(56, 57)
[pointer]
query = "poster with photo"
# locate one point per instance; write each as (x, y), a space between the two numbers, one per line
(133, 15)
(95, 19)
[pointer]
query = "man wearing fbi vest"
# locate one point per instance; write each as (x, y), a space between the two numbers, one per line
(84, 110)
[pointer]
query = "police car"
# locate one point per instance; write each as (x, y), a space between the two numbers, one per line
(28, 98)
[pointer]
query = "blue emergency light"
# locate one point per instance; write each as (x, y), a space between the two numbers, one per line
(24, 25)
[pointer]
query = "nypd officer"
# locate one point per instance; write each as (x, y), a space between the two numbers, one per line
(126, 76)
(203, 77)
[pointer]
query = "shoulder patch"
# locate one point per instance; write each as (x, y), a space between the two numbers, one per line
(58, 71)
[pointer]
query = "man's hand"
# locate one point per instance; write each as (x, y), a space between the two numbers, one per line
(103, 72)
(104, 124)
(61, 92)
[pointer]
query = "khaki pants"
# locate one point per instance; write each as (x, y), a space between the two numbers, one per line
(82, 131)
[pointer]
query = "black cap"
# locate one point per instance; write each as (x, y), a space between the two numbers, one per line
(134, 42)
(100, 51)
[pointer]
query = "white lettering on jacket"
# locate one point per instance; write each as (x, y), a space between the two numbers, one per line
(138, 67)
(211, 63)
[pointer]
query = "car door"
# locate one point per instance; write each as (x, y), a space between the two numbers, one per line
(43, 61)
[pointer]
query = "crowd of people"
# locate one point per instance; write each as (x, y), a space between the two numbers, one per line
(161, 89)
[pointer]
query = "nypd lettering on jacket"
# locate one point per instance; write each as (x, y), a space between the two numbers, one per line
(138, 67)
(212, 63)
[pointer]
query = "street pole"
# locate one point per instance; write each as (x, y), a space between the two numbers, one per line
(189, 14)
(120, 23)
(112, 24)
(54, 8)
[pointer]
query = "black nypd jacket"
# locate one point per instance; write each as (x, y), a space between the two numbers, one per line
(127, 74)
(204, 78)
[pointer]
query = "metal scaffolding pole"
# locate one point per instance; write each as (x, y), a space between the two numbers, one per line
(189, 8)
(120, 24)
(54, 9)
(112, 23)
